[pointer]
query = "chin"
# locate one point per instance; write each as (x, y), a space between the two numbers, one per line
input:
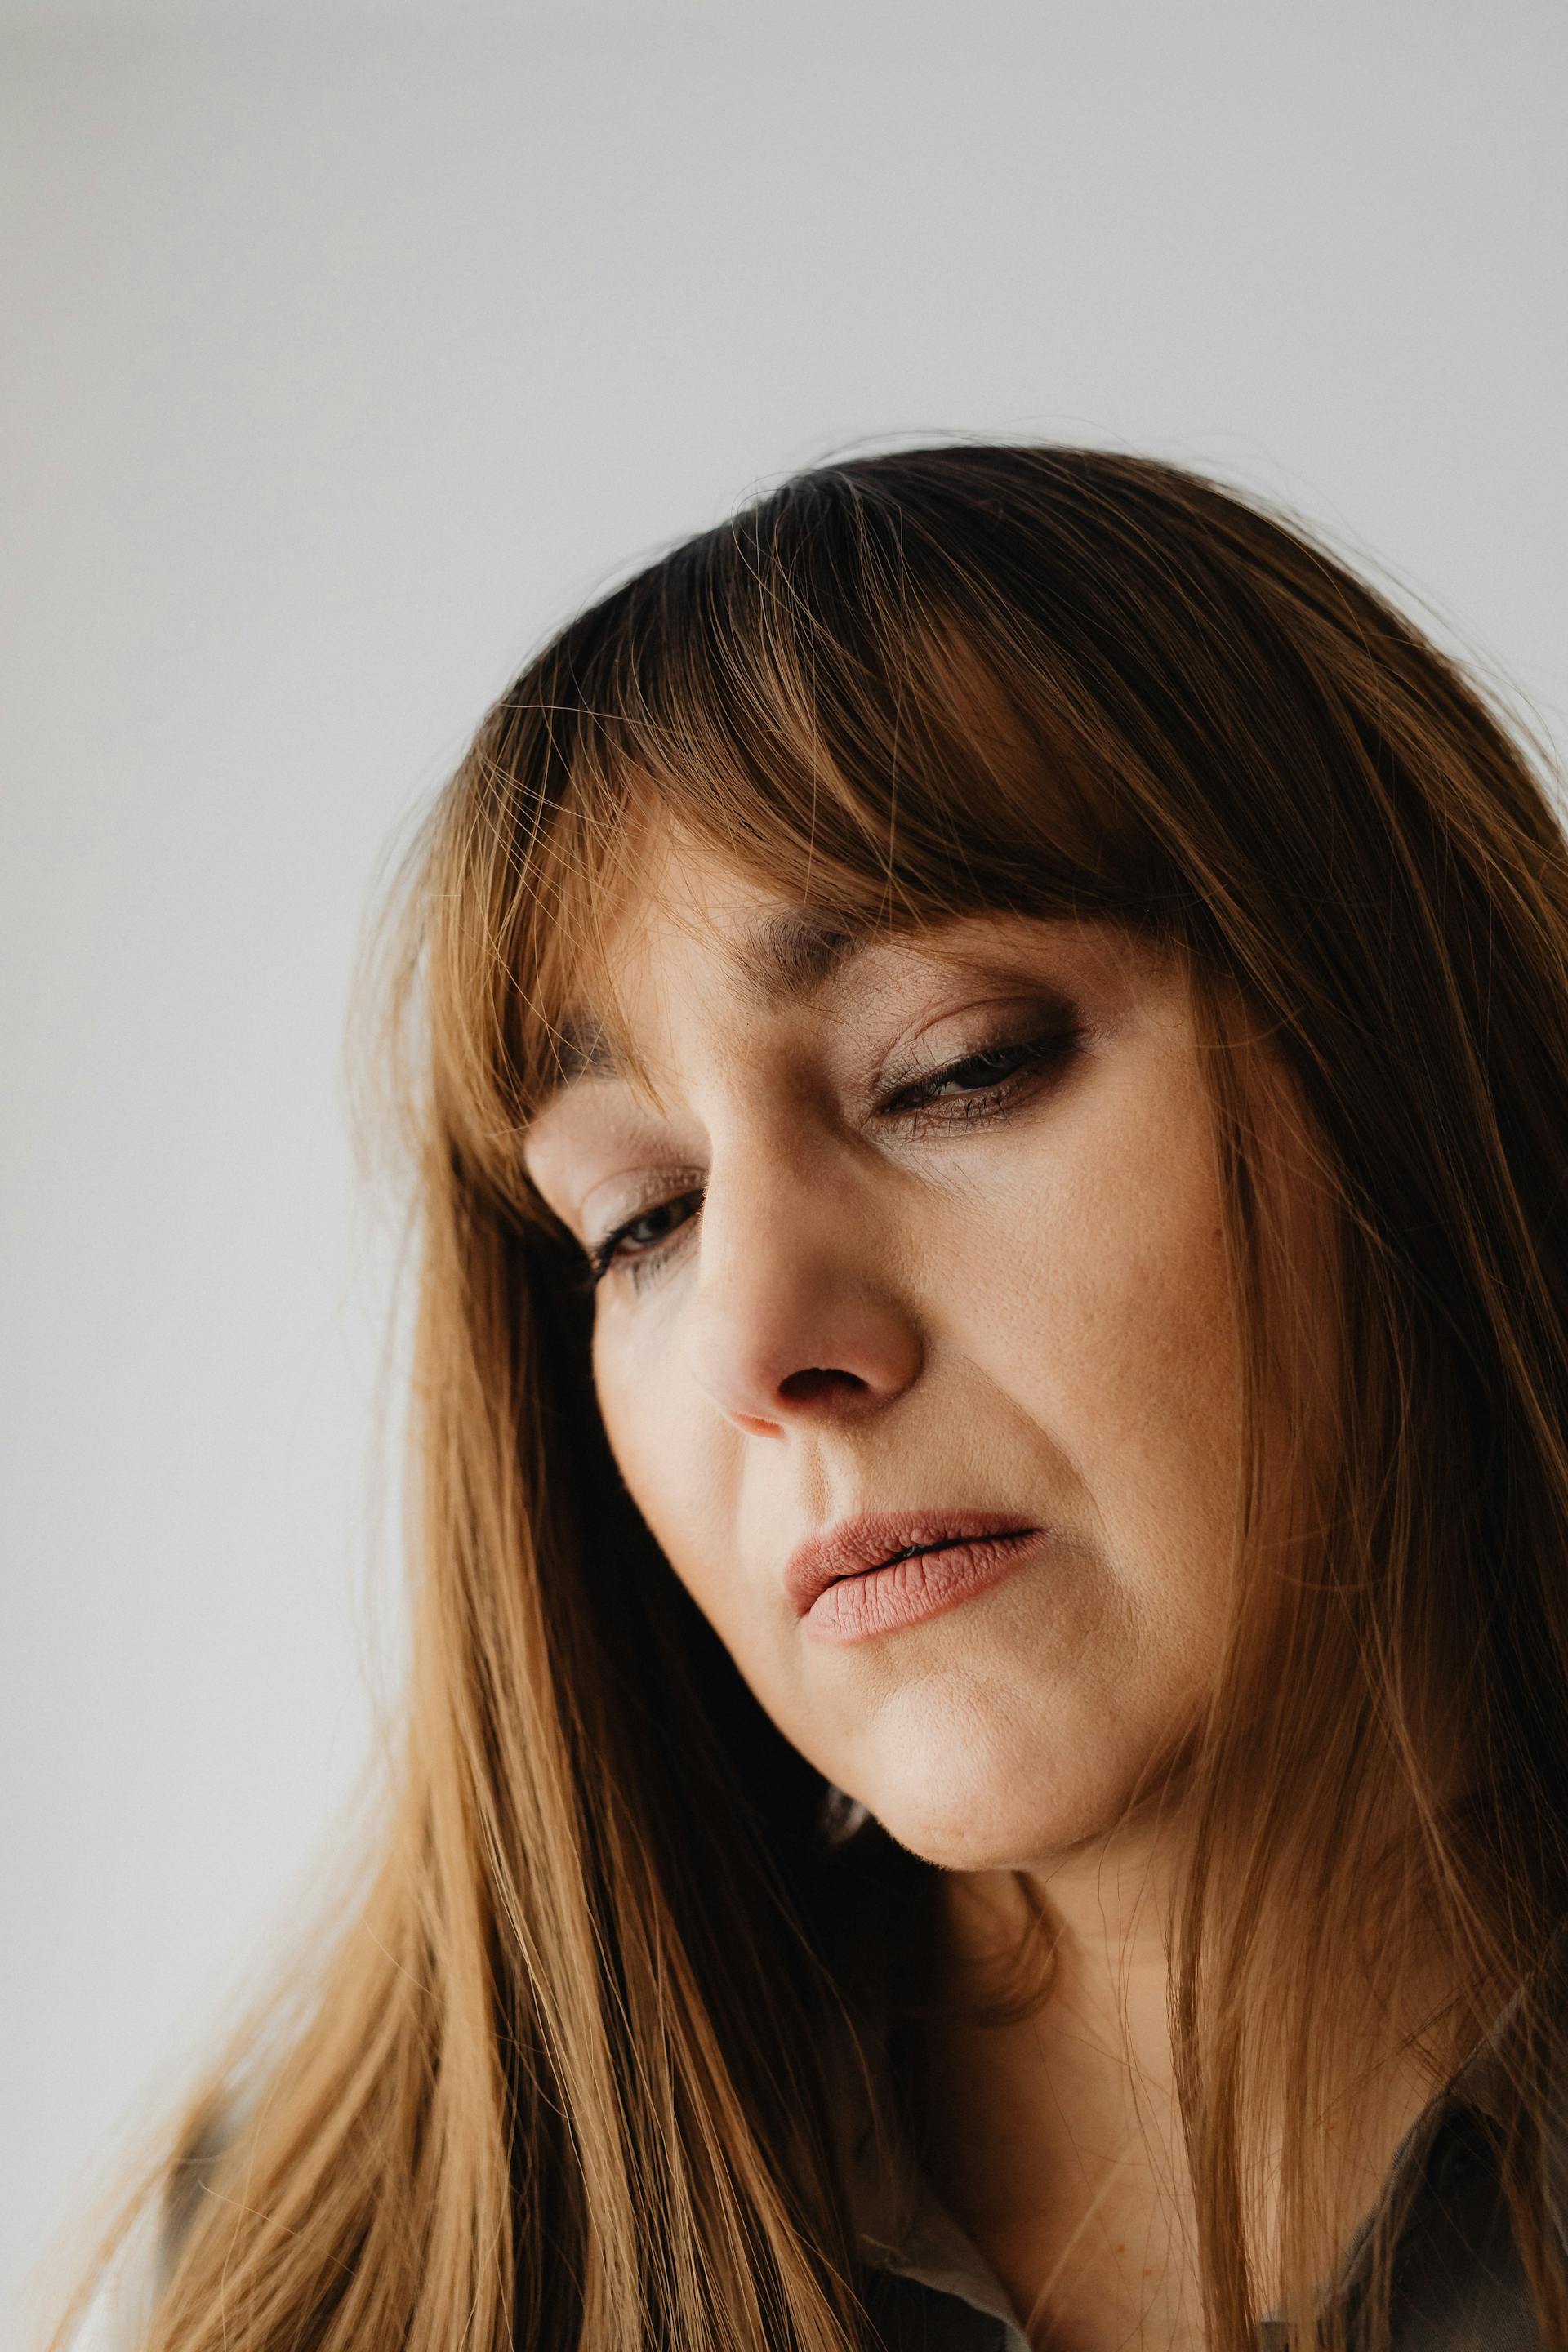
(966, 1793)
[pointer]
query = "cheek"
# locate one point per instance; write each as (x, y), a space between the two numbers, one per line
(1103, 1308)
(1072, 1286)
(677, 1460)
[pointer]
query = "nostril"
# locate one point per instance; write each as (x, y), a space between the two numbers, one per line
(817, 1383)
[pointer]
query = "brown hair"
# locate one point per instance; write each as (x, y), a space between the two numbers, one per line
(564, 2083)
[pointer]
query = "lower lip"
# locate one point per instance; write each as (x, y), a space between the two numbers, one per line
(908, 1591)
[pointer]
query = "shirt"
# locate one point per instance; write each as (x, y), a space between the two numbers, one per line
(1458, 2282)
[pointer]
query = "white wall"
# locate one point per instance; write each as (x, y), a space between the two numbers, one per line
(342, 358)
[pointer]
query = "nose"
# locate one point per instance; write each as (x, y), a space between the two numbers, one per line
(795, 1319)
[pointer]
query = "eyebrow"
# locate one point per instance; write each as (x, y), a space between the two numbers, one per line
(783, 959)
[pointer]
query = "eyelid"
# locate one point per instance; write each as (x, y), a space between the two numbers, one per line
(654, 1189)
(603, 1258)
(1013, 1021)
(1041, 1019)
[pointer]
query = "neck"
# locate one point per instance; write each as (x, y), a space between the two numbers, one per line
(1056, 2138)
(1106, 1910)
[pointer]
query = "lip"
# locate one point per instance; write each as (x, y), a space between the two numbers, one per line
(889, 1568)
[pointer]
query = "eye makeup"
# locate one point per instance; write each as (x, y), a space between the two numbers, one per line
(983, 1086)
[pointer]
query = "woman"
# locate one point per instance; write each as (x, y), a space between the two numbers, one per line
(986, 1751)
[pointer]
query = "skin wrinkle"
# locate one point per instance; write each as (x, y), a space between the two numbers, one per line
(784, 959)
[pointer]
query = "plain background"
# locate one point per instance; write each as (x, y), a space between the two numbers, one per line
(344, 355)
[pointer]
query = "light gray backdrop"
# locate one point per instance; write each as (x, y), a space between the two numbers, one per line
(345, 352)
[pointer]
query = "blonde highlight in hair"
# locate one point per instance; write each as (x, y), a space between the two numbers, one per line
(567, 2080)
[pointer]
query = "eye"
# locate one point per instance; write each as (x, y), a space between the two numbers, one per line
(983, 1085)
(639, 1241)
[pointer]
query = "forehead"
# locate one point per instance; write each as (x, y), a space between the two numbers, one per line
(783, 958)
(692, 924)
(671, 906)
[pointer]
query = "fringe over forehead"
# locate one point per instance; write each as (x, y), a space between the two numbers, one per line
(1038, 681)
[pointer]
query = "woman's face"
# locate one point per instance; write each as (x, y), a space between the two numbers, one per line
(918, 1252)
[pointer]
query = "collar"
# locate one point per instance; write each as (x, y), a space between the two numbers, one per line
(899, 2222)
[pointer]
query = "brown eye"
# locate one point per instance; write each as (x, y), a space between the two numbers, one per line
(642, 1237)
(979, 1070)
(985, 1082)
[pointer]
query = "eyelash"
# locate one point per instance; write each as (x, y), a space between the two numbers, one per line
(1034, 1058)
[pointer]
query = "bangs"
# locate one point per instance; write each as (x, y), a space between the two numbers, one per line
(808, 706)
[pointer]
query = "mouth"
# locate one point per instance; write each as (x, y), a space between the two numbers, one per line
(887, 1569)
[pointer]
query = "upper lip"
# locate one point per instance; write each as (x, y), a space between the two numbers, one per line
(853, 1546)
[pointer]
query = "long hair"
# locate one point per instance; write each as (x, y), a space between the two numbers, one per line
(564, 2081)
